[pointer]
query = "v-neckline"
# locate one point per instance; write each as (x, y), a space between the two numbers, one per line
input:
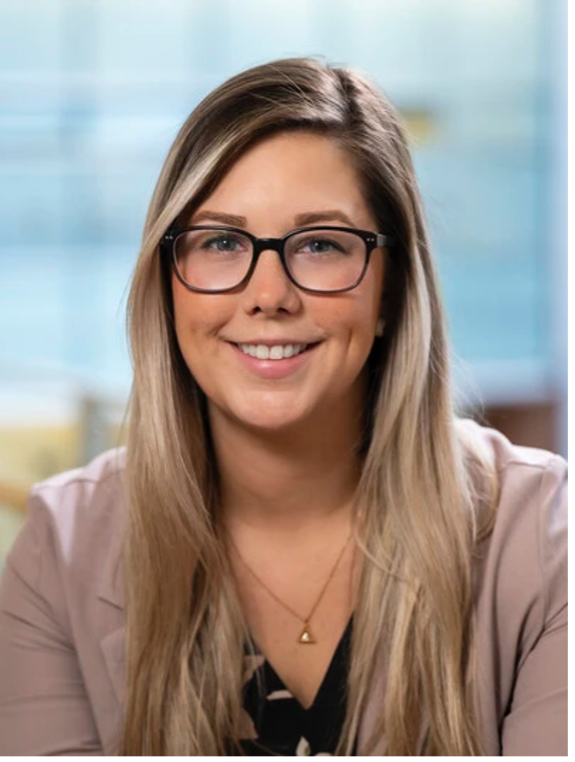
(336, 656)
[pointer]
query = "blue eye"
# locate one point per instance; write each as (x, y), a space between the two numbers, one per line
(321, 246)
(222, 243)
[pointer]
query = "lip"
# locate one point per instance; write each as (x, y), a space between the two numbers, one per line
(274, 369)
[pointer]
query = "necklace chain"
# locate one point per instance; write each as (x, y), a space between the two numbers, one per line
(270, 592)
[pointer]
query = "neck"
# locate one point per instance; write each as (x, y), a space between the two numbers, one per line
(287, 480)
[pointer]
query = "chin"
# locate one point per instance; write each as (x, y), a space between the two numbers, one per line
(269, 421)
(258, 415)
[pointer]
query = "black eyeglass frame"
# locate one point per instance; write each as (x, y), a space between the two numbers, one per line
(371, 240)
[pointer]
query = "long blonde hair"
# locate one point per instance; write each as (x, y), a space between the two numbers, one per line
(424, 490)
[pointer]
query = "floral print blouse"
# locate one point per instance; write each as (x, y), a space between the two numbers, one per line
(281, 725)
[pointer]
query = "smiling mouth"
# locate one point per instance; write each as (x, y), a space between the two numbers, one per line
(274, 352)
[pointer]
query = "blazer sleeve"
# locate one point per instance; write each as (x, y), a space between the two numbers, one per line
(536, 724)
(44, 707)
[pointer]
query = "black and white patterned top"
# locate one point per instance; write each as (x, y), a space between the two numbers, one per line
(282, 725)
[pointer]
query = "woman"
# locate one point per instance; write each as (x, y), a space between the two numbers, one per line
(305, 551)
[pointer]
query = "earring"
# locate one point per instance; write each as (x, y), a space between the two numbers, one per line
(380, 327)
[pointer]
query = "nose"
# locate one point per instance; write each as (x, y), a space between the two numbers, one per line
(269, 265)
(269, 289)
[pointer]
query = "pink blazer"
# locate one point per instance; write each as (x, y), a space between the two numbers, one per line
(62, 659)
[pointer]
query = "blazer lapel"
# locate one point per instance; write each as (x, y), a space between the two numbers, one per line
(114, 649)
(111, 593)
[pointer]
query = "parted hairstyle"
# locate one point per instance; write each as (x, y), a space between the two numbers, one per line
(427, 494)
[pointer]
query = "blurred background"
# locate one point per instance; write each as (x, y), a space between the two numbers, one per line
(92, 94)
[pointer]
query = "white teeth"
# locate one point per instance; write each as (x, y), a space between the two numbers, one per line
(262, 352)
(276, 352)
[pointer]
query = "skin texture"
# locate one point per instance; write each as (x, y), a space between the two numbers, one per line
(285, 447)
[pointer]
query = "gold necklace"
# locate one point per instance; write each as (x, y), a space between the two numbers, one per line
(306, 636)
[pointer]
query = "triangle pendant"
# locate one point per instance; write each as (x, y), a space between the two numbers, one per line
(306, 635)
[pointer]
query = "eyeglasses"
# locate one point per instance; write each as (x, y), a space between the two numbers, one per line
(326, 260)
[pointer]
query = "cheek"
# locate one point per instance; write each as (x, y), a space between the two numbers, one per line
(192, 335)
(187, 325)
(197, 317)
(367, 308)
(362, 322)
(183, 306)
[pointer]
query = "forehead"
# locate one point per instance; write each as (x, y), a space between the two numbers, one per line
(289, 174)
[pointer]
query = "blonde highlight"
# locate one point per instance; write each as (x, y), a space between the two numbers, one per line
(426, 492)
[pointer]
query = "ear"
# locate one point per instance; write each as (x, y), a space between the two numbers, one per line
(380, 328)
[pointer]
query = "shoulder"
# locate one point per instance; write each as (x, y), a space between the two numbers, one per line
(521, 567)
(505, 455)
(85, 489)
(531, 482)
(73, 519)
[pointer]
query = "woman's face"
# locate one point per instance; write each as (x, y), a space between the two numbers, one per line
(281, 178)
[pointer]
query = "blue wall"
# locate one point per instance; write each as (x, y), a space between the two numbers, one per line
(92, 93)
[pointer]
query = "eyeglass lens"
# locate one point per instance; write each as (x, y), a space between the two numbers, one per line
(322, 260)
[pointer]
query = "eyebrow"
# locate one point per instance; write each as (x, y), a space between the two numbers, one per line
(306, 218)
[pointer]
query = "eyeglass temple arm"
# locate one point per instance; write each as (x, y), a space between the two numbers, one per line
(385, 240)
